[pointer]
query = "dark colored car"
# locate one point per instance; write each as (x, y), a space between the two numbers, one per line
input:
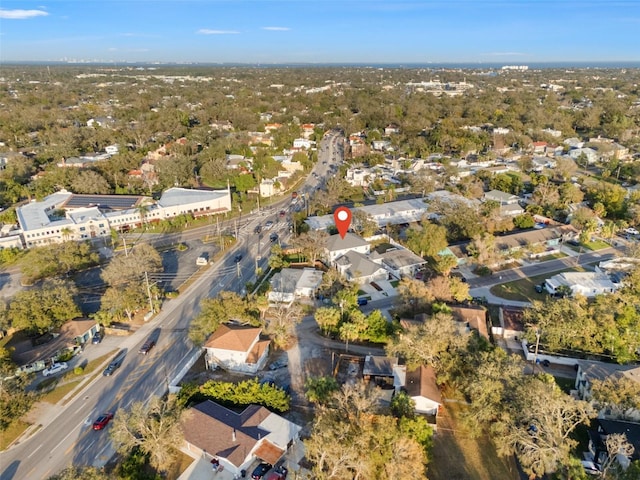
(363, 301)
(273, 237)
(279, 473)
(102, 421)
(258, 229)
(237, 258)
(111, 368)
(97, 338)
(260, 470)
(283, 213)
(539, 288)
(147, 346)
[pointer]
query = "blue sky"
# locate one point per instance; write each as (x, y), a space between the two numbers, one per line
(320, 31)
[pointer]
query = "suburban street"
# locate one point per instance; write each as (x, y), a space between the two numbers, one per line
(67, 437)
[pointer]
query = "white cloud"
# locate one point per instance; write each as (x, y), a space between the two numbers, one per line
(277, 29)
(21, 14)
(206, 31)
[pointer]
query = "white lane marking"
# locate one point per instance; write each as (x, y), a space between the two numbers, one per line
(68, 435)
(40, 446)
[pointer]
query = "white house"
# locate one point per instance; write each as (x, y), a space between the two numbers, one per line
(235, 440)
(502, 198)
(236, 348)
(291, 283)
(338, 246)
(588, 284)
(303, 143)
(399, 262)
(356, 267)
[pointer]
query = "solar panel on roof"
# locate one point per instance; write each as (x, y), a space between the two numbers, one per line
(112, 202)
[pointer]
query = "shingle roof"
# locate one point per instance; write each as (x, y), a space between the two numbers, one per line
(222, 432)
(421, 382)
(238, 339)
(475, 317)
(351, 240)
(358, 264)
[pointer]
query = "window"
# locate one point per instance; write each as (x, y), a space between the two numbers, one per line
(82, 229)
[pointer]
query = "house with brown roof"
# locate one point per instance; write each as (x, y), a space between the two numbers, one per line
(474, 317)
(236, 348)
(421, 386)
(236, 440)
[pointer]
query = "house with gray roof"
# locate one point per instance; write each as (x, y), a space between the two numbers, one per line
(291, 283)
(356, 267)
(400, 262)
(338, 246)
(503, 198)
(588, 284)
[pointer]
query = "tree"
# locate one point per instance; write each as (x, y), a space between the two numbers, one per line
(15, 401)
(427, 240)
(80, 473)
(617, 445)
(352, 439)
(363, 224)
(443, 264)
(312, 244)
(123, 269)
(620, 395)
(429, 343)
(57, 259)
(215, 311)
(45, 308)
(281, 321)
(413, 295)
(537, 425)
(483, 249)
(154, 430)
(320, 389)
(328, 319)
(91, 182)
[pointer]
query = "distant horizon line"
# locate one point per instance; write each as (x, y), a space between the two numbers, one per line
(461, 65)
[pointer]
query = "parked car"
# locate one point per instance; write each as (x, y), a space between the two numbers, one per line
(147, 346)
(55, 368)
(631, 231)
(203, 259)
(281, 363)
(102, 421)
(540, 288)
(111, 368)
(97, 338)
(362, 301)
(237, 258)
(279, 473)
(260, 470)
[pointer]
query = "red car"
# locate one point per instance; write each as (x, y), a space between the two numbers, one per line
(102, 421)
(279, 473)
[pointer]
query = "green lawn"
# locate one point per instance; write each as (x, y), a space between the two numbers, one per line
(456, 455)
(16, 429)
(523, 290)
(553, 256)
(597, 245)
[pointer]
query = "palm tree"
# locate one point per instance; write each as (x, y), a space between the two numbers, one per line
(66, 233)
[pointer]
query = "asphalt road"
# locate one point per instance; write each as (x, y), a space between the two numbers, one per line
(68, 438)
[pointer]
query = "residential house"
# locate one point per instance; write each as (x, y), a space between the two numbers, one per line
(502, 198)
(359, 177)
(598, 435)
(236, 348)
(421, 386)
(588, 284)
(291, 283)
(356, 267)
(390, 213)
(307, 130)
(269, 187)
(391, 129)
(590, 370)
(303, 143)
(550, 238)
(573, 142)
(511, 328)
(400, 262)
(237, 440)
(381, 145)
(338, 246)
(589, 154)
(475, 318)
(538, 147)
(380, 370)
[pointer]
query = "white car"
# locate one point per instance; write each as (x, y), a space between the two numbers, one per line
(631, 231)
(55, 368)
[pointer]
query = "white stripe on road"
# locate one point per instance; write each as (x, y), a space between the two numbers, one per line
(39, 447)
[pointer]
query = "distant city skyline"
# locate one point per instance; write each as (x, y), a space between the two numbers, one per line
(316, 32)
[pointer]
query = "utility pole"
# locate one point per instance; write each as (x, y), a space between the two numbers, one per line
(146, 278)
(535, 356)
(124, 242)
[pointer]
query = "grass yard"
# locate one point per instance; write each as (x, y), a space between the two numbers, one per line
(597, 245)
(553, 256)
(58, 393)
(523, 290)
(16, 429)
(458, 456)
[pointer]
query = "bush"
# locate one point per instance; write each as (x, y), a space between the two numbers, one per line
(78, 370)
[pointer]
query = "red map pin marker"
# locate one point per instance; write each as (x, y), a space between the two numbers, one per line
(342, 219)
